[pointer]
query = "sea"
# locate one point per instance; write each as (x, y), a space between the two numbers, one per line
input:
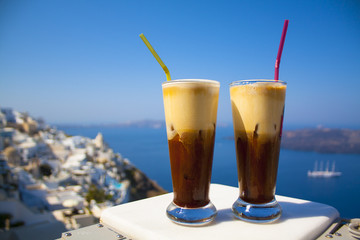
(147, 149)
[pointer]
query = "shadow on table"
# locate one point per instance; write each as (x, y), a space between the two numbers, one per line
(290, 210)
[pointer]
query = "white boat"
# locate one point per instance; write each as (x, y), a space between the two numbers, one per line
(324, 173)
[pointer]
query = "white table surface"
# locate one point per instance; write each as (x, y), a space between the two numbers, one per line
(146, 219)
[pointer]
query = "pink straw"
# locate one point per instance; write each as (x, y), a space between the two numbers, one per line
(282, 41)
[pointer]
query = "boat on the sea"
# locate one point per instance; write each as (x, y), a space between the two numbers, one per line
(324, 173)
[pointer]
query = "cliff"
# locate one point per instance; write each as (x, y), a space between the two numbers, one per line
(141, 186)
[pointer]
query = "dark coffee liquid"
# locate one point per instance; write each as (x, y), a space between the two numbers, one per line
(191, 156)
(257, 160)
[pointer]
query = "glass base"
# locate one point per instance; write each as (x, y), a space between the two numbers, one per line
(257, 213)
(191, 216)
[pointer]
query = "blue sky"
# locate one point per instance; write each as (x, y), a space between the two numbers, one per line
(83, 61)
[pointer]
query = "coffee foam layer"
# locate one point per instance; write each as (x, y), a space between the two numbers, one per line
(258, 107)
(190, 106)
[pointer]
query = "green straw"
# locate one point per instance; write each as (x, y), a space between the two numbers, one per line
(166, 70)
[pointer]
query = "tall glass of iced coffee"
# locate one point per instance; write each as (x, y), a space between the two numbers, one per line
(190, 113)
(258, 110)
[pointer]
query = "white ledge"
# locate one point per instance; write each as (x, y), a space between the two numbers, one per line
(146, 219)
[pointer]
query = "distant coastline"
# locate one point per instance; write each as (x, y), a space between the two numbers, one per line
(151, 123)
(320, 139)
(134, 124)
(323, 140)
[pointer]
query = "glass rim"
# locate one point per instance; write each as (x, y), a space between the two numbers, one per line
(250, 81)
(191, 80)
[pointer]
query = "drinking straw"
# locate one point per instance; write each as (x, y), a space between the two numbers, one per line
(282, 41)
(166, 70)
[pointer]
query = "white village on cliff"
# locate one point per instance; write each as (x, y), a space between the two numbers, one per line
(51, 182)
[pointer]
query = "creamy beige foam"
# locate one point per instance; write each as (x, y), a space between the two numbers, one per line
(190, 105)
(258, 106)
